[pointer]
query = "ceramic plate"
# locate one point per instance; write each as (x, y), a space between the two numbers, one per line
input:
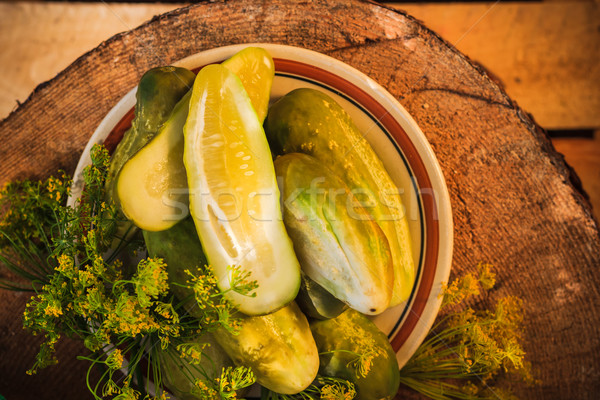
(396, 139)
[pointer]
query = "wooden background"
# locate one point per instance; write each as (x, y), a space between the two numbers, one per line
(546, 54)
(515, 208)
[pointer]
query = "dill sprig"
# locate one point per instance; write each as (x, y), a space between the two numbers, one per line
(323, 388)
(30, 220)
(467, 350)
(211, 307)
(77, 261)
(225, 386)
(364, 348)
(232, 380)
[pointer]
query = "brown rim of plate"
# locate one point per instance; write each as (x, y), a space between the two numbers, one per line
(431, 223)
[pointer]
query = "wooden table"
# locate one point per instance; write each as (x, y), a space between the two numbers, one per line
(514, 202)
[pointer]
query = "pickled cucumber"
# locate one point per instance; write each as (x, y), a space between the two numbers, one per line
(337, 243)
(353, 348)
(181, 250)
(158, 92)
(180, 373)
(255, 68)
(152, 185)
(278, 347)
(234, 198)
(309, 121)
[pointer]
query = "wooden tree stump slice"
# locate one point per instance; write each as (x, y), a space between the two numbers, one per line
(513, 197)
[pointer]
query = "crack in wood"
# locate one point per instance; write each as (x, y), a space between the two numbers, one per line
(461, 94)
(370, 42)
(467, 214)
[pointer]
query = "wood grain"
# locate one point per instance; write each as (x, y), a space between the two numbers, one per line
(583, 155)
(514, 203)
(546, 54)
(38, 40)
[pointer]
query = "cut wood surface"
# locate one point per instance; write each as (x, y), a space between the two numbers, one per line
(38, 40)
(546, 54)
(514, 202)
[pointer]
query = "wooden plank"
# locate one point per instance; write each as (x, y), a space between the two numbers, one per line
(546, 54)
(38, 40)
(583, 155)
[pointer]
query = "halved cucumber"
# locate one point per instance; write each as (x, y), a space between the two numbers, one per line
(234, 198)
(152, 185)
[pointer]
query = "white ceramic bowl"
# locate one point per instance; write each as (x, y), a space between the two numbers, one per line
(397, 140)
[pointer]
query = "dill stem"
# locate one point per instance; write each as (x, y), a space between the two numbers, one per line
(25, 271)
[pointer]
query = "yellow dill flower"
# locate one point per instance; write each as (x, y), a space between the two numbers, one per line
(201, 390)
(65, 265)
(469, 285)
(335, 392)
(192, 351)
(460, 289)
(115, 359)
(51, 186)
(86, 278)
(364, 345)
(127, 393)
(53, 310)
(109, 388)
(129, 318)
(94, 299)
(233, 379)
(486, 277)
(150, 280)
(509, 311)
(98, 267)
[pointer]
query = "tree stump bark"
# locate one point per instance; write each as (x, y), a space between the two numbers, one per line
(516, 204)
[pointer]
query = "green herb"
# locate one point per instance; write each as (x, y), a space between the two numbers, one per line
(362, 361)
(467, 350)
(323, 388)
(234, 379)
(73, 260)
(210, 300)
(31, 217)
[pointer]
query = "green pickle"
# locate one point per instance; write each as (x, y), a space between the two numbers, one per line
(180, 373)
(309, 121)
(256, 69)
(158, 91)
(342, 339)
(235, 199)
(316, 302)
(180, 248)
(278, 347)
(336, 241)
(152, 185)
